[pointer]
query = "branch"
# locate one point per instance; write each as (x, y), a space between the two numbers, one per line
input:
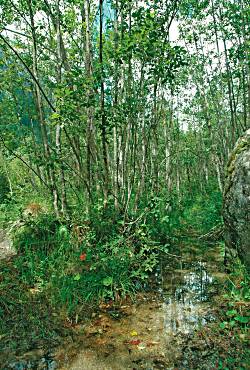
(27, 37)
(175, 8)
(19, 12)
(23, 161)
(29, 71)
(16, 32)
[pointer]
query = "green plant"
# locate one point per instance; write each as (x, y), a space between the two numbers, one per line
(4, 187)
(235, 320)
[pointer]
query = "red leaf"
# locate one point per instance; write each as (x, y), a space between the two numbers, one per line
(135, 342)
(83, 256)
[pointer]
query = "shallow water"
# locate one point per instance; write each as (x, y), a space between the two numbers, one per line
(185, 292)
(149, 333)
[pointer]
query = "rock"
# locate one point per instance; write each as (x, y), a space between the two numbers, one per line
(6, 248)
(236, 205)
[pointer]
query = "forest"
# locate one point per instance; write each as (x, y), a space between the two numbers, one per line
(124, 184)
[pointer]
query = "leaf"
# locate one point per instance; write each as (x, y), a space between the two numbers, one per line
(133, 333)
(141, 346)
(34, 290)
(55, 116)
(223, 325)
(231, 313)
(165, 219)
(83, 256)
(107, 281)
(241, 336)
(77, 277)
(242, 319)
(63, 231)
(135, 342)
(232, 323)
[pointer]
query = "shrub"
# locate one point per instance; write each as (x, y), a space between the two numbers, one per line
(4, 187)
(71, 269)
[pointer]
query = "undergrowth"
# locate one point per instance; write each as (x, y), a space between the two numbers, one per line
(65, 268)
(62, 269)
(222, 343)
(235, 318)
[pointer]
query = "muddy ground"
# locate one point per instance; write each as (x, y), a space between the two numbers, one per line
(173, 324)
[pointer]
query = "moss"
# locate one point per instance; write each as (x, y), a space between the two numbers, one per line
(242, 145)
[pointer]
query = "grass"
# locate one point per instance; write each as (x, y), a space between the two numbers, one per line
(59, 275)
(62, 271)
(28, 320)
(224, 343)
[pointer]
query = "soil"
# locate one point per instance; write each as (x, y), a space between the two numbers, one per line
(173, 324)
(153, 332)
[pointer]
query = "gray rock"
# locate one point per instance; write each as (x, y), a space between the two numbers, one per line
(6, 247)
(236, 207)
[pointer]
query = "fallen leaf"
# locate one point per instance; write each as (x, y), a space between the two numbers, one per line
(243, 336)
(83, 256)
(133, 333)
(135, 342)
(101, 341)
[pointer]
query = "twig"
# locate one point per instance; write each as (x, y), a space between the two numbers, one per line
(173, 255)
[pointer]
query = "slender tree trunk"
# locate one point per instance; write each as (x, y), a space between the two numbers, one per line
(103, 113)
(50, 170)
(90, 131)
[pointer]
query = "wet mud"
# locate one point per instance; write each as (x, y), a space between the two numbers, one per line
(152, 332)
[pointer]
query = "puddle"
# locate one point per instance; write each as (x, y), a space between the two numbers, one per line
(185, 293)
(148, 334)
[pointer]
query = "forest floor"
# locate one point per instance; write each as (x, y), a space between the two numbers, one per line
(177, 323)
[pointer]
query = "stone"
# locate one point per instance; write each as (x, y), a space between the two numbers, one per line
(6, 246)
(236, 203)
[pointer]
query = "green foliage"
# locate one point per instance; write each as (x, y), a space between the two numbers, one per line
(197, 212)
(39, 233)
(25, 191)
(205, 212)
(27, 319)
(131, 152)
(4, 187)
(239, 284)
(235, 318)
(156, 221)
(75, 264)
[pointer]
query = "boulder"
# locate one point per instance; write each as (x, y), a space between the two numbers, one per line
(236, 205)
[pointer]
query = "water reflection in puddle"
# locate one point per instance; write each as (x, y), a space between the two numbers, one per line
(184, 293)
(148, 334)
(182, 305)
